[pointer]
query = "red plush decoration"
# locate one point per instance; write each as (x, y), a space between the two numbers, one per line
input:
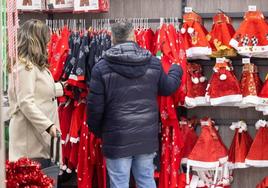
(26, 173)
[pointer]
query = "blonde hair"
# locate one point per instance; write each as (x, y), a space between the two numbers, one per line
(33, 37)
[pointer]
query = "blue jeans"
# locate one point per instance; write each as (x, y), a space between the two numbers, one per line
(142, 169)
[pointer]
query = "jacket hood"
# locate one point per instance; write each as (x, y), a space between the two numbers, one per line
(128, 59)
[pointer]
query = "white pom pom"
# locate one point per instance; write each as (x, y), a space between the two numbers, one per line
(260, 123)
(223, 77)
(234, 126)
(195, 80)
(243, 126)
(217, 128)
(190, 30)
(202, 79)
(183, 30)
(69, 171)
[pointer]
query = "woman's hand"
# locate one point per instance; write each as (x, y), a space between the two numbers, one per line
(53, 131)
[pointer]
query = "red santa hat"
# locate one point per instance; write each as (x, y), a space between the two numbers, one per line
(251, 38)
(196, 86)
(194, 35)
(223, 87)
(221, 33)
(209, 151)
(263, 99)
(258, 153)
(240, 145)
(250, 85)
(189, 137)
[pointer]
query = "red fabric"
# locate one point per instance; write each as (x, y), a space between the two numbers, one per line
(259, 147)
(209, 147)
(171, 136)
(60, 54)
(90, 160)
(77, 121)
(254, 24)
(219, 88)
(198, 37)
(221, 33)
(240, 147)
(189, 137)
(145, 39)
(250, 81)
(263, 183)
(194, 71)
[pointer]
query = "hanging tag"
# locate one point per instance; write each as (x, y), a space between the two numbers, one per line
(188, 9)
(252, 8)
(220, 60)
(246, 60)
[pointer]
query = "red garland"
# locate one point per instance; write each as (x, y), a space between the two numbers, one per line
(26, 174)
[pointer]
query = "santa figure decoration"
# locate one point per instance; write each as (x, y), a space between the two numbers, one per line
(223, 87)
(221, 33)
(196, 86)
(61, 4)
(194, 35)
(240, 145)
(251, 84)
(31, 5)
(258, 153)
(251, 38)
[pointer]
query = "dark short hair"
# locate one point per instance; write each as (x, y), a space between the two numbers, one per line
(121, 31)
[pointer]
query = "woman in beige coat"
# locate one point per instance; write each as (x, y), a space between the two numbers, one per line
(32, 92)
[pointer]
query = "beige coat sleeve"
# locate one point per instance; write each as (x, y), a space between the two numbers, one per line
(26, 103)
(59, 89)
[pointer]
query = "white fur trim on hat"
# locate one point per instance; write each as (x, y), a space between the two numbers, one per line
(190, 30)
(226, 99)
(234, 43)
(207, 165)
(257, 163)
(198, 53)
(260, 123)
(242, 126)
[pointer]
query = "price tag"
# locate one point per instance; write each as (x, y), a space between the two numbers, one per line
(188, 9)
(252, 8)
(246, 60)
(220, 60)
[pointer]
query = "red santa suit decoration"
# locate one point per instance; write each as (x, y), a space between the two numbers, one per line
(240, 145)
(251, 85)
(251, 38)
(194, 36)
(209, 153)
(223, 87)
(196, 86)
(221, 33)
(258, 153)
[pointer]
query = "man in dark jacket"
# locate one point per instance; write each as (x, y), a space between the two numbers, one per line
(123, 109)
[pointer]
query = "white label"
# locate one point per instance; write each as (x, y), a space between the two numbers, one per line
(246, 60)
(188, 9)
(220, 60)
(252, 8)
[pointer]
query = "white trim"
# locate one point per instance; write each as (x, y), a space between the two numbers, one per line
(196, 101)
(237, 165)
(261, 108)
(226, 99)
(263, 101)
(251, 99)
(203, 164)
(74, 140)
(234, 43)
(198, 52)
(257, 163)
(184, 161)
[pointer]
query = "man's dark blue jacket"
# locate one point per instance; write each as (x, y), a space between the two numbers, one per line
(122, 104)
